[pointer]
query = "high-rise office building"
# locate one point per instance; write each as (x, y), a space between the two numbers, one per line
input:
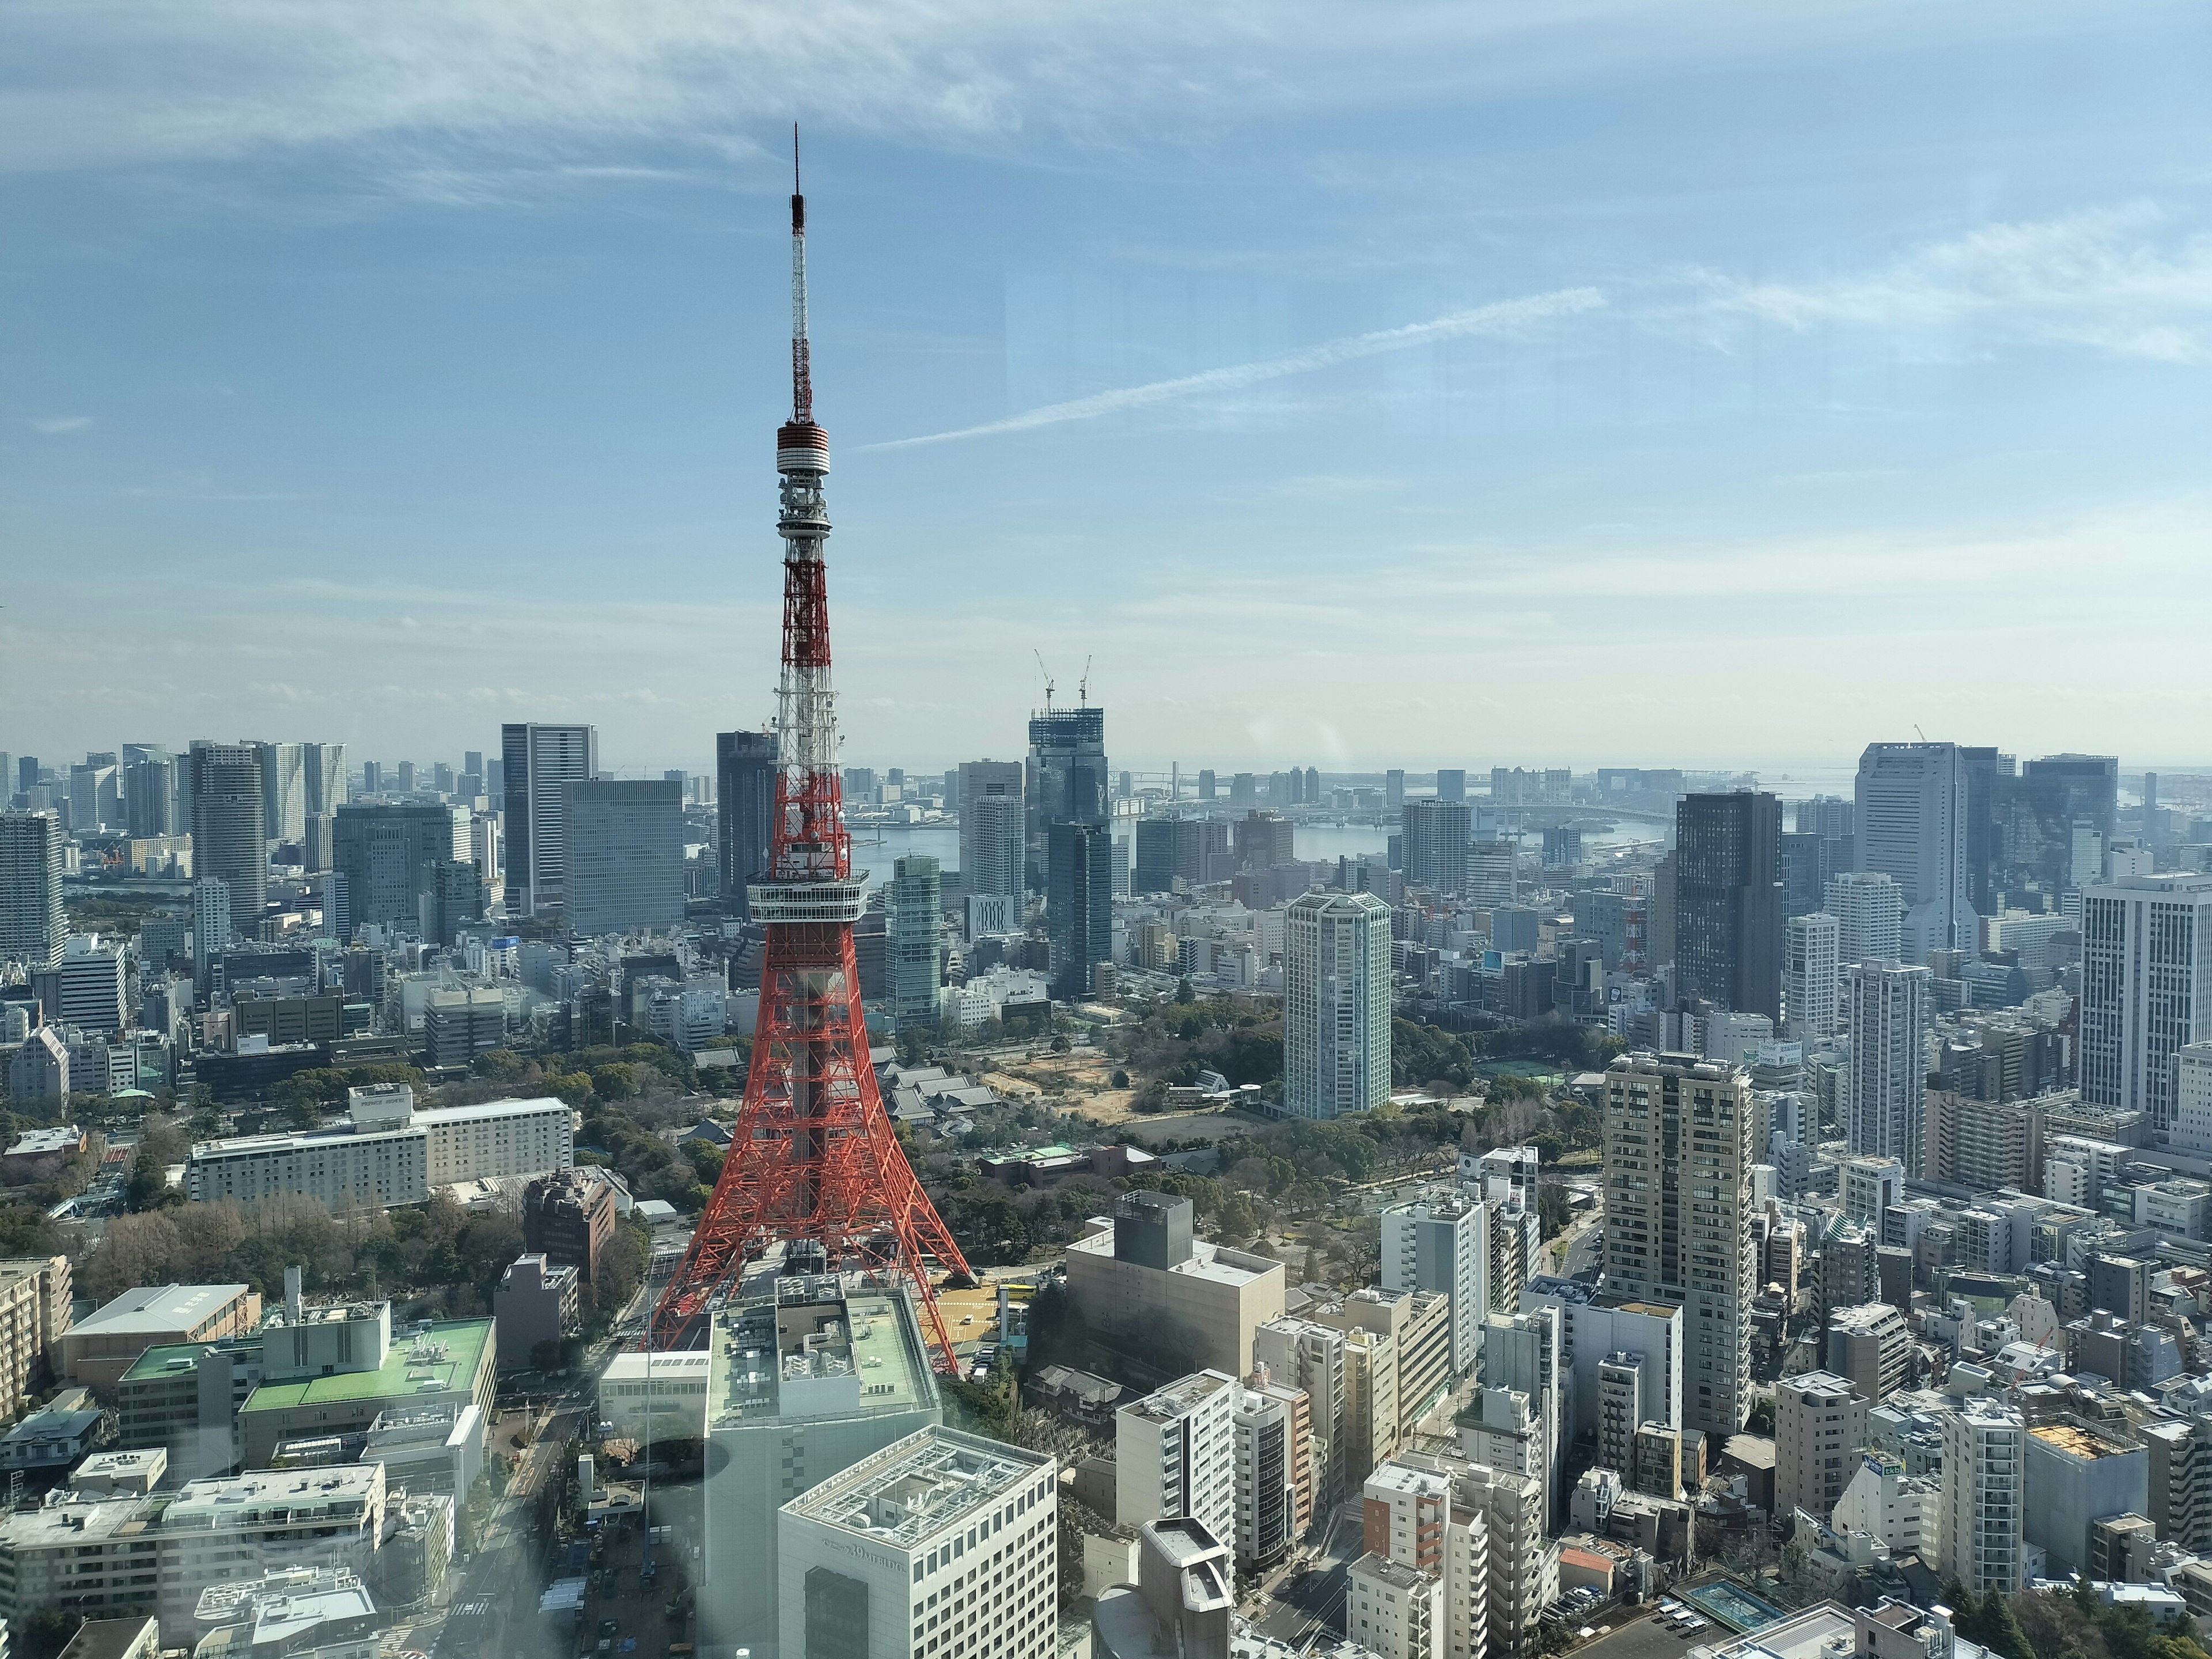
(1891, 1006)
(1804, 872)
(1986, 770)
(1451, 783)
(1911, 811)
(625, 854)
(1442, 1242)
(1983, 1506)
(324, 773)
(1678, 1154)
(1809, 977)
(32, 922)
(1492, 872)
(211, 928)
(1336, 1005)
(384, 852)
(1727, 901)
(1261, 840)
(1172, 850)
(992, 813)
(452, 897)
(538, 763)
(744, 807)
(913, 906)
(2040, 816)
(2145, 988)
(94, 796)
(1079, 904)
(1066, 781)
(1437, 835)
(283, 790)
(1870, 913)
(1394, 789)
(229, 825)
(149, 797)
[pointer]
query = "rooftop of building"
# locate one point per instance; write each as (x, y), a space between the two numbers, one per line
(167, 1359)
(432, 1117)
(824, 1346)
(2078, 1440)
(444, 1359)
(1864, 1318)
(109, 1638)
(65, 1519)
(915, 1488)
(279, 1614)
(34, 1143)
(1824, 1387)
(1383, 1570)
(235, 1499)
(1211, 1262)
(152, 1309)
(1405, 1478)
(1181, 1397)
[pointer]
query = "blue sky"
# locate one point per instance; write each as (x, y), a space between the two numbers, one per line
(1574, 383)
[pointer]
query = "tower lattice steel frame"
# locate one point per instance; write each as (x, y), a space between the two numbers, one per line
(813, 1157)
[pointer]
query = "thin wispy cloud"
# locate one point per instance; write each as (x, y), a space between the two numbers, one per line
(2123, 280)
(1503, 317)
(102, 82)
(55, 425)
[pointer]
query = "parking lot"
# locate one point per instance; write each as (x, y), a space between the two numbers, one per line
(1638, 1634)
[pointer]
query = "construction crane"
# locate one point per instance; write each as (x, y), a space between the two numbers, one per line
(1047, 672)
(1083, 690)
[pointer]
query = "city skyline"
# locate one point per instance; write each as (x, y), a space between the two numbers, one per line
(445, 404)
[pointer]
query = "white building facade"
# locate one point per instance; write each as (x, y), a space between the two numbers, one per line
(2145, 988)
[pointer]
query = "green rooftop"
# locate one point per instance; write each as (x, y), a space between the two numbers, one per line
(405, 1373)
(157, 1360)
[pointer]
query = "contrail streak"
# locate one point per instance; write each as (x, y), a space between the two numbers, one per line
(1501, 318)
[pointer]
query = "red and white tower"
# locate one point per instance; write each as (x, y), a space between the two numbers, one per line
(813, 1161)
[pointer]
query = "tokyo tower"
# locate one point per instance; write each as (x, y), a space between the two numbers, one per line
(813, 1162)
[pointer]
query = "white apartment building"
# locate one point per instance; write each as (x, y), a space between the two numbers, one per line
(1983, 1506)
(1886, 1111)
(1441, 1242)
(1336, 1005)
(1174, 1454)
(1303, 1355)
(1414, 1519)
(99, 1554)
(2145, 988)
(1870, 1186)
(1811, 959)
(391, 1157)
(2076, 1170)
(1394, 1611)
(1901, 1513)
(1678, 1199)
(1819, 1428)
(942, 1544)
